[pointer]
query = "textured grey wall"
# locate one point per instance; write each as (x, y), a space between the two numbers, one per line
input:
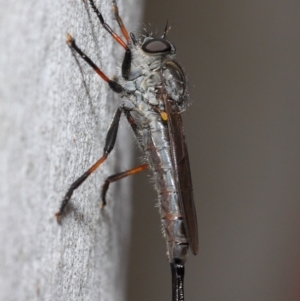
(242, 60)
(54, 114)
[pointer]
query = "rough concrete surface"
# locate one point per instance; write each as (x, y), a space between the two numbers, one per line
(54, 115)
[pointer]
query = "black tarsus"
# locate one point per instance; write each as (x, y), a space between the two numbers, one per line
(177, 268)
(68, 195)
(100, 17)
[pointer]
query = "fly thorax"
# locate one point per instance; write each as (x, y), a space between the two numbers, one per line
(174, 81)
(147, 85)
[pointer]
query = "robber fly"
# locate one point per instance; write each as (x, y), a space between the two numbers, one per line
(153, 86)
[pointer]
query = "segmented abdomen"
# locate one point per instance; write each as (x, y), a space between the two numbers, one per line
(157, 150)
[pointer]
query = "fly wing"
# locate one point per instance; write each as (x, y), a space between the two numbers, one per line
(183, 177)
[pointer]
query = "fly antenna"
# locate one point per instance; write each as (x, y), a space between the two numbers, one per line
(167, 28)
(133, 38)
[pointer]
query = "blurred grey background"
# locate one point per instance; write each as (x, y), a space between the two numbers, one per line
(242, 61)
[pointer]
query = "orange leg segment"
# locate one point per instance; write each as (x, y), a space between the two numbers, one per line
(120, 22)
(117, 177)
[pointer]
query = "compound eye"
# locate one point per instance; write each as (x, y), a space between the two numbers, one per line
(157, 46)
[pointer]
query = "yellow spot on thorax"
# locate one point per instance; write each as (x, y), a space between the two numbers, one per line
(164, 116)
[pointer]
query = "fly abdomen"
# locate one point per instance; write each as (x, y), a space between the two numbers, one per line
(157, 150)
(172, 222)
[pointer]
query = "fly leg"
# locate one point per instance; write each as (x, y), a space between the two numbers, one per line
(126, 65)
(109, 145)
(117, 177)
(177, 268)
(120, 22)
(134, 127)
(129, 172)
(116, 87)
